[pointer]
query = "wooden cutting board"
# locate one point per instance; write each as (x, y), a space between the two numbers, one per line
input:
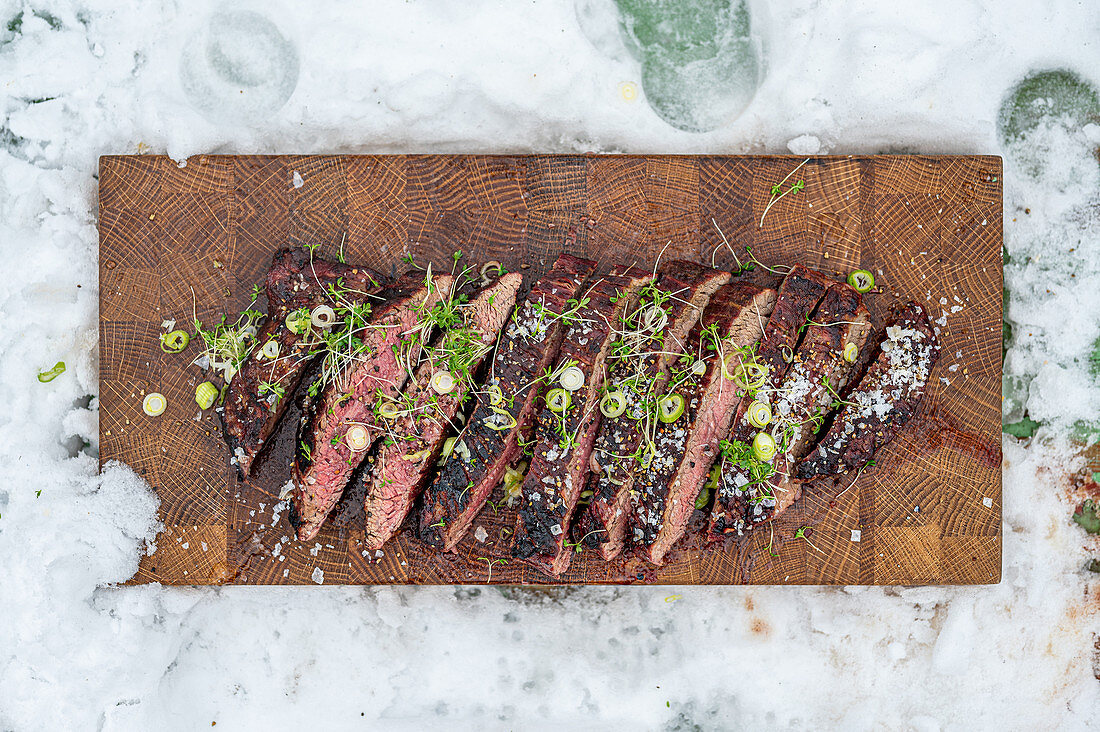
(181, 240)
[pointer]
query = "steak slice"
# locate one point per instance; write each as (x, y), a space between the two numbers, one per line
(260, 391)
(404, 463)
(564, 439)
(884, 400)
(814, 381)
(375, 374)
(490, 440)
(638, 368)
(799, 294)
(664, 494)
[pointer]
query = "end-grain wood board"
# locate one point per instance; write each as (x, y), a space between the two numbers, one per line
(179, 241)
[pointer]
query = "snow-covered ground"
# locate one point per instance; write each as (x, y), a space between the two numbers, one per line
(85, 78)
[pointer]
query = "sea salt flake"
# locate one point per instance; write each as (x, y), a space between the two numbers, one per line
(856, 534)
(318, 575)
(987, 502)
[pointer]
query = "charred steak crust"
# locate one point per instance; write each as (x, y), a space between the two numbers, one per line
(404, 464)
(351, 398)
(798, 297)
(528, 345)
(884, 400)
(603, 523)
(294, 281)
(563, 440)
(685, 449)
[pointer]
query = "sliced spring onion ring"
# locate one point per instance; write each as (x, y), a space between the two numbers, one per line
(759, 414)
(358, 438)
(297, 322)
(613, 404)
(322, 316)
(493, 424)
(419, 455)
(228, 373)
(655, 318)
(493, 266)
(48, 376)
(443, 382)
(154, 404)
(861, 280)
(851, 352)
(205, 394)
(748, 375)
(175, 341)
(763, 446)
(787, 353)
(389, 410)
(496, 396)
(558, 400)
(699, 367)
(462, 450)
(270, 350)
(670, 408)
(571, 378)
(448, 446)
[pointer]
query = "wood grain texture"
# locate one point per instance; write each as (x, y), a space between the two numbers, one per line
(928, 227)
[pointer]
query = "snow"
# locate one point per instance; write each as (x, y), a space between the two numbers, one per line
(77, 651)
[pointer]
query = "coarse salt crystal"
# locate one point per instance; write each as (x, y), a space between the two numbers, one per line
(856, 534)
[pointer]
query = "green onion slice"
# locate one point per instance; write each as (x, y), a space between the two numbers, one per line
(57, 370)
(175, 341)
(389, 410)
(613, 403)
(747, 375)
(670, 408)
(763, 446)
(851, 352)
(297, 322)
(496, 396)
(154, 404)
(442, 382)
(558, 400)
(358, 438)
(323, 316)
(491, 422)
(271, 350)
(205, 394)
(759, 414)
(861, 280)
(571, 378)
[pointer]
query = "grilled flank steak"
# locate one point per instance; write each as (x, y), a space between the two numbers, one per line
(565, 428)
(656, 332)
(884, 400)
(408, 454)
(490, 440)
(261, 389)
(818, 373)
(685, 448)
(352, 400)
(738, 484)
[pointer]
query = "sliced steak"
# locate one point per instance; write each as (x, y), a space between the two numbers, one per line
(490, 440)
(798, 297)
(375, 374)
(563, 438)
(638, 366)
(802, 402)
(664, 494)
(259, 392)
(884, 400)
(405, 462)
